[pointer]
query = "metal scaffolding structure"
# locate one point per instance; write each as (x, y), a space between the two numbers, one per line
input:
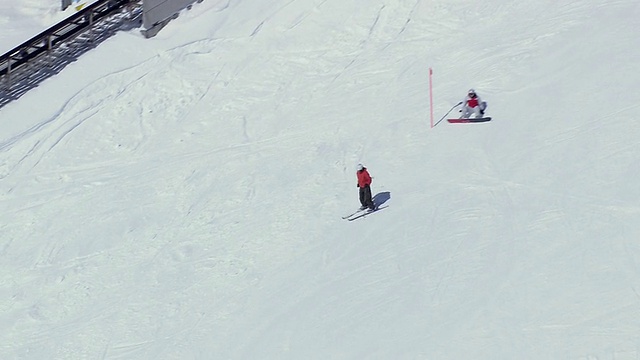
(45, 54)
(62, 32)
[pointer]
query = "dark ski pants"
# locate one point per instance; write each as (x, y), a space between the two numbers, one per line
(365, 197)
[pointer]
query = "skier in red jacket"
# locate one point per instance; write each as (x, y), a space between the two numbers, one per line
(364, 186)
(472, 104)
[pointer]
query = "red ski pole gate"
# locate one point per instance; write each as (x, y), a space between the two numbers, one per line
(431, 94)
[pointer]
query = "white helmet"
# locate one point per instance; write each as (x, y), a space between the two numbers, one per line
(360, 167)
(471, 91)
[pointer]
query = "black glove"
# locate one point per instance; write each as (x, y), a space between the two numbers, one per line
(481, 112)
(357, 185)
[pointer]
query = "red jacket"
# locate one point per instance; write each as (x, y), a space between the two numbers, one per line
(363, 178)
(472, 101)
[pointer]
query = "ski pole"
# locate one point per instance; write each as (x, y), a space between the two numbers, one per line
(445, 115)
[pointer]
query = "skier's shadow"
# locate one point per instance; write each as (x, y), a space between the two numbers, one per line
(381, 198)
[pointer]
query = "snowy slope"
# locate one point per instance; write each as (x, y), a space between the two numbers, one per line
(180, 197)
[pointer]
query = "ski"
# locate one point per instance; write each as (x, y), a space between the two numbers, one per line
(366, 212)
(469, 120)
(353, 213)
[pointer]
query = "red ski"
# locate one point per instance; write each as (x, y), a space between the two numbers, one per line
(470, 120)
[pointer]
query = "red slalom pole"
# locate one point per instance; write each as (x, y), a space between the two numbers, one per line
(431, 94)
